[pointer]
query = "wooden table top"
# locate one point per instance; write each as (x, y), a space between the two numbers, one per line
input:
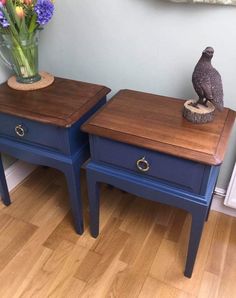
(62, 103)
(156, 122)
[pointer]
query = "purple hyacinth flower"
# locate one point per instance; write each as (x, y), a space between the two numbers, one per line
(3, 21)
(44, 10)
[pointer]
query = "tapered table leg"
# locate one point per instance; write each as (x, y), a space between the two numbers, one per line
(72, 174)
(197, 225)
(3, 186)
(94, 202)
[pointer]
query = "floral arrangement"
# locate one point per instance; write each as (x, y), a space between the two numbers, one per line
(24, 16)
(19, 22)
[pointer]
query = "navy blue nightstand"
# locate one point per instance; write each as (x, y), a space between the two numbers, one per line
(43, 127)
(140, 143)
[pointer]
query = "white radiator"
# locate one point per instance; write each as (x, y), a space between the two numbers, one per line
(230, 199)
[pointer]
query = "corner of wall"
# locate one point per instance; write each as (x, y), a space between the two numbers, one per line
(17, 172)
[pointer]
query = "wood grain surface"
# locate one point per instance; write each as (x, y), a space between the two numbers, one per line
(140, 252)
(156, 122)
(62, 103)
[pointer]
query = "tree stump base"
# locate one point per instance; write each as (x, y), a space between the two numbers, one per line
(200, 113)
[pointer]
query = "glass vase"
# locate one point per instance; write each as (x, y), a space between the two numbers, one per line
(20, 53)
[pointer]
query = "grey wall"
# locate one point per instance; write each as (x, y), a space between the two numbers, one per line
(148, 45)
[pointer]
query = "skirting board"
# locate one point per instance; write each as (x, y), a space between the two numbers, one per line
(17, 172)
(218, 203)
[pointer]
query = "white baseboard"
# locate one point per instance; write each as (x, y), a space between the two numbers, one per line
(230, 199)
(220, 192)
(218, 205)
(17, 172)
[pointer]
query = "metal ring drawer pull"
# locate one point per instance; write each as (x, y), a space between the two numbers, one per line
(19, 130)
(143, 164)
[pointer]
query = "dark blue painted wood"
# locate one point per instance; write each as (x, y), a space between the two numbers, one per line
(75, 135)
(168, 169)
(70, 149)
(198, 220)
(3, 186)
(102, 169)
(39, 134)
(66, 140)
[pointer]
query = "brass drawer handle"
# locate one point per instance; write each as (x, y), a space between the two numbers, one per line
(143, 164)
(19, 130)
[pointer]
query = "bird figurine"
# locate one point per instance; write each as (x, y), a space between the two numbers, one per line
(207, 81)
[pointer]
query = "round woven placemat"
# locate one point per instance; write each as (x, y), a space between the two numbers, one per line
(46, 80)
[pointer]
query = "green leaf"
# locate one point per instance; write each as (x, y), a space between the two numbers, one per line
(12, 14)
(33, 25)
(10, 21)
(23, 29)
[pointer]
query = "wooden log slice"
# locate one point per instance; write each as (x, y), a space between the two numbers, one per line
(199, 113)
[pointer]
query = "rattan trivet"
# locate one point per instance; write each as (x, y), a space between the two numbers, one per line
(46, 80)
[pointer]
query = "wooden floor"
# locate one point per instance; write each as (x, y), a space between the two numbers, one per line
(139, 253)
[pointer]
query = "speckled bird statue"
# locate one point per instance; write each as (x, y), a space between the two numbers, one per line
(207, 81)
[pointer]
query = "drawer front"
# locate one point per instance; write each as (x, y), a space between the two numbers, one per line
(171, 170)
(66, 140)
(34, 133)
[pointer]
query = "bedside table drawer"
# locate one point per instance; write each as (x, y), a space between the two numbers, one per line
(168, 169)
(32, 132)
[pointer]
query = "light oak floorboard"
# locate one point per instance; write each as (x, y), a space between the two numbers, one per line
(140, 251)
